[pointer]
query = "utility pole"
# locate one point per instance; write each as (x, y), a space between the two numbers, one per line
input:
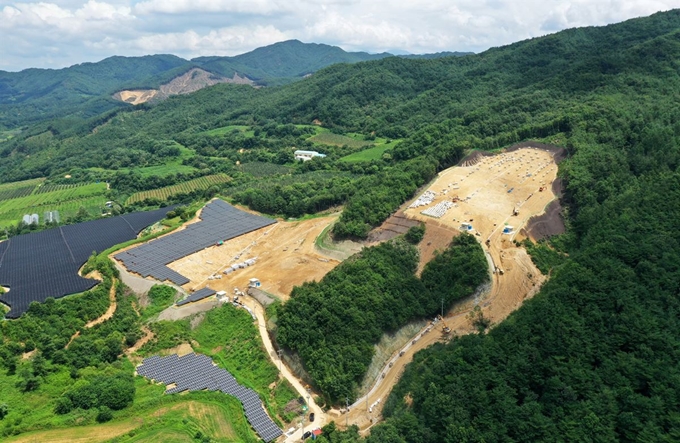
(280, 353)
(442, 307)
(347, 409)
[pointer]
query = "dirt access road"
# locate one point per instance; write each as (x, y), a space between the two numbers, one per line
(484, 194)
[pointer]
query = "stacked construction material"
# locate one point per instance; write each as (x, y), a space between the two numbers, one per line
(438, 210)
(423, 200)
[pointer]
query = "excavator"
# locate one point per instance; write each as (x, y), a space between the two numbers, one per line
(445, 328)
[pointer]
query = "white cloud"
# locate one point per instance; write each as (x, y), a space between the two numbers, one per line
(63, 32)
(263, 7)
(224, 41)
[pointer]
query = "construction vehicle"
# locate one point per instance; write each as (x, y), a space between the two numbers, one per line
(445, 328)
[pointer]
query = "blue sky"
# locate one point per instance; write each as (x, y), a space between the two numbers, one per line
(55, 34)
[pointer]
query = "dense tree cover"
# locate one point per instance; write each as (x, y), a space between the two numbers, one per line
(593, 356)
(55, 335)
(457, 271)
(549, 87)
(106, 392)
(415, 234)
(84, 90)
(333, 324)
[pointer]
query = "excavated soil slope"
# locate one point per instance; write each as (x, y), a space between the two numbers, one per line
(190, 81)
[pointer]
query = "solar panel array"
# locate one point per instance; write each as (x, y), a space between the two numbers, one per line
(196, 372)
(220, 221)
(45, 264)
(196, 296)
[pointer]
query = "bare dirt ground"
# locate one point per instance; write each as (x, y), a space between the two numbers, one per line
(109, 312)
(148, 335)
(549, 223)
(137, 283)
(179, 312)
(396, 225)
(285, 257)
(190, 81)
(487, 191)
(136, 96)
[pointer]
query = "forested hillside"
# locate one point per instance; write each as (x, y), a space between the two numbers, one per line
(593, 357)
(334, 324)
(83, 91)
(547, 88)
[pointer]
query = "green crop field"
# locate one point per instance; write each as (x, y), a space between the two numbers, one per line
(67, 199)
(228, 129)
(264, 169)
(329, 138)
(181, 188)
(369, 154)
(18, 189)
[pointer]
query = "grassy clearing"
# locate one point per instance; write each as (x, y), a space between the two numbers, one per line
(369, 154)
(328, 138)
(186, 187)
(22, 184)
(6, 135)
(219, 418)
(227, 129)
(67, 201)
(229, 336)
(264, 169)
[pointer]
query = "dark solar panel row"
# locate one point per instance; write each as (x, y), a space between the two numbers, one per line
(196, 372)
(196, 296)
(220, 221)
(45, 264)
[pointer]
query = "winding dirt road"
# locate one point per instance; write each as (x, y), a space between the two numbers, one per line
(487, 193)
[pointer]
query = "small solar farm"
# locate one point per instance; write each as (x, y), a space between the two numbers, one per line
(196, 372)
(219, 221)
(45, 264)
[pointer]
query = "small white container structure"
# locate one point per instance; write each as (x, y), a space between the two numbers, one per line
(254, 283)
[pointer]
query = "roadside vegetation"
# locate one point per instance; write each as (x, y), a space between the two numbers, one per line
(334, 324)
(593, 356)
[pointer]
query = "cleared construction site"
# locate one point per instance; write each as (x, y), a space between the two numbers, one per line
(489, 196)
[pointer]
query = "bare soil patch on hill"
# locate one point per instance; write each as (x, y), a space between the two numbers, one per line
(485, 193)
(190, 81)
(285, 256)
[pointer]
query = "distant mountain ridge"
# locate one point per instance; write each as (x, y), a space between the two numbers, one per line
(87, 89)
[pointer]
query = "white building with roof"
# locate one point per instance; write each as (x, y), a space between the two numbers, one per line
(307, 155)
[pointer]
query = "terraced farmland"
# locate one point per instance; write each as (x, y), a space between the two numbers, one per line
(67, 199)
(18, 189)
(200, 183)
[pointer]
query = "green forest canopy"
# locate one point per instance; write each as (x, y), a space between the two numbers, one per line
(593, 355)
